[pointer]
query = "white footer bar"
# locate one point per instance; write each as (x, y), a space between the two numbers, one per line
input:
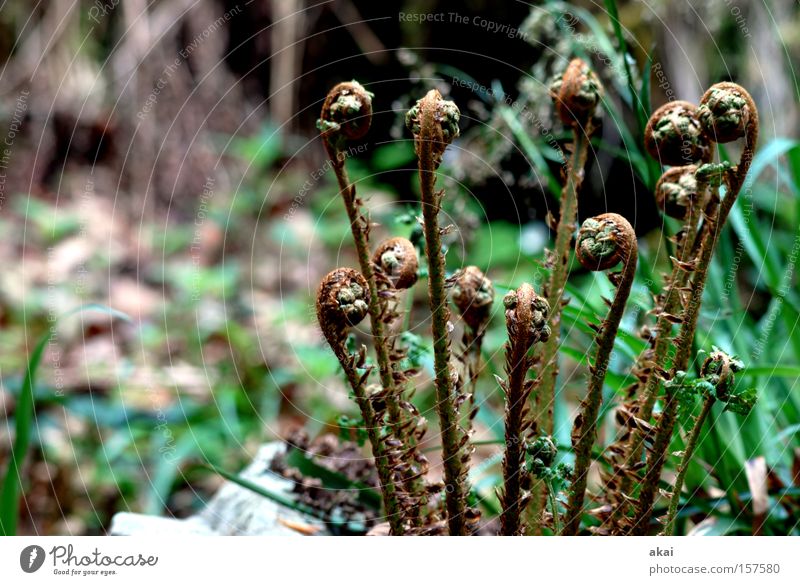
(388, 561)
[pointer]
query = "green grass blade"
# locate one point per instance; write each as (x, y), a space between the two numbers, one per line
(9, 499)
(23, 416)
(532, 151)
(787, 371)
(331, 479)
(636, 102)
(262, 491)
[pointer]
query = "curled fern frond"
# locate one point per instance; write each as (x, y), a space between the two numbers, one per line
(603, 242)
(397, 259)
(342, 302)
(576, 93)
(726, 111)
(526, 317)
(526, 320)
(674, 135)
(691, 311)
(676, 191)
(718, 382)
(576, 96)
(473, 296)
(434, 123)
(441, 129)
(719, 370)
(346, 112)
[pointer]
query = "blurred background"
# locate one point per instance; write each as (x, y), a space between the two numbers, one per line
(160, 160)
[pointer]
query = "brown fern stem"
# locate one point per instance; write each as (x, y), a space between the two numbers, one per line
(526, 320)
(514, 461)
(472, 295)
(430, 141)
(547, 356)
(717, 124)
(620, 479)
(576, 95)
(341, 304)
(717, 375)
(688, 453)
(606, 239)
(359, 227)
(396, 266)
(388, 488)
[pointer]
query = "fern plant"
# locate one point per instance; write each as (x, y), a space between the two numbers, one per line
(537, 493)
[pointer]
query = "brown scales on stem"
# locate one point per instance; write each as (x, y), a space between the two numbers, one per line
(473, 296)
(434, 123)
(576, 95)
(718, 371)
(526, 321)
(682, 196)
(603, 242)
(727, 112)
(678, 134)
(396, 266)
(342, 303)
(346, 115)
(673, 135)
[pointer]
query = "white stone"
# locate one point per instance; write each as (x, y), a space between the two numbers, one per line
(233, 510)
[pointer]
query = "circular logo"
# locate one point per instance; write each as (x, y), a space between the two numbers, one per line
(31, 558)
